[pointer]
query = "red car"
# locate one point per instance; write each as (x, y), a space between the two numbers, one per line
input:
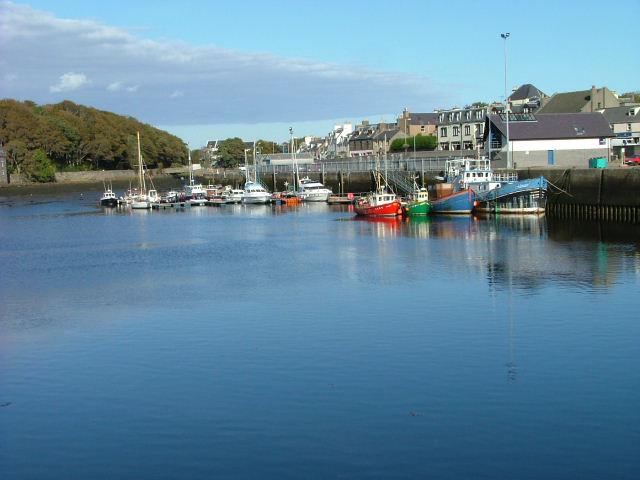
(632, 161)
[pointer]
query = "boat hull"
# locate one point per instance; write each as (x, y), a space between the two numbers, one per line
(519, 197)
(391, 209)
(418, 208)
(456, 203)
(256, 199)
(140, 205)
(109, 202)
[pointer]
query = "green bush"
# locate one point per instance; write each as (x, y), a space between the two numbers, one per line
(39, 168)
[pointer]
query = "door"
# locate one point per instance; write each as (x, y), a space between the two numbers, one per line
(551, 157)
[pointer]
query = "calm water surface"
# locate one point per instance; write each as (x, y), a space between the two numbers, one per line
(270, 342)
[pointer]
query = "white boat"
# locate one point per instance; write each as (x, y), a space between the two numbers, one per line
(141, 200)
(235, 195)
(255, 193)
(195, 192)
(313, 191)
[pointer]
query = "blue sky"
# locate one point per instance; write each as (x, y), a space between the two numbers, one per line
(207, 70)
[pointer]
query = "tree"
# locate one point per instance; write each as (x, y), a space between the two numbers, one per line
(230, 152)
(428, 142)
(479, 104)
(267, 146)
(634, 96)
(39, 168)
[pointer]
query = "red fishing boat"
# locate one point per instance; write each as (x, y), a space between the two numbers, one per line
(379, 204)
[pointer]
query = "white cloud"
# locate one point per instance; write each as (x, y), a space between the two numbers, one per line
(69, 81)
(119, 86)
(225, 86)
(114, 87)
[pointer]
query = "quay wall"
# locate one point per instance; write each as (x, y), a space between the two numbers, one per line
(611, 194)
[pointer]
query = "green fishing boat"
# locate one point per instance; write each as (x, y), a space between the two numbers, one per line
(418, 203)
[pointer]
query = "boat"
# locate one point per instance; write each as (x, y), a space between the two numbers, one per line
(456, 195)
(461, 202)
(234, 195)
(195, 193)
(381, 203)
(254, 192)
(313, 191)
(418, 203)
(515, 197)
(108, 198)
(139, 200)
(171, 196)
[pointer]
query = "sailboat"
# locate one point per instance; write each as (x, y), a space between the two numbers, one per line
(195, 192)
(141, 200)
(254, 191)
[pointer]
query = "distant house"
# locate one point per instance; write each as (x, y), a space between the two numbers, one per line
(4, 171)
(373, 139)
(581, 101)
(563, 139)
(526, 98)
(463, 128)
(418, 123)
(625, 123)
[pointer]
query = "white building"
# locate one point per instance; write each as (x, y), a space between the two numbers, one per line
(562, 139)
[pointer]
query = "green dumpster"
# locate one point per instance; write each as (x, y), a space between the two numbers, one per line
(598, 162)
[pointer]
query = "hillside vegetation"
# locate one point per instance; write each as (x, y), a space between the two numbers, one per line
(67, 137)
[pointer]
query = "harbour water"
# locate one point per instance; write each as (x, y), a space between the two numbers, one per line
(300, 342)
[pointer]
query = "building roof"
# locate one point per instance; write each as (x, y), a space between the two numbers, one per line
(554, 126)
(525, 92)
(423, 118)
(622, 114)
(388, 133)
(568, 102)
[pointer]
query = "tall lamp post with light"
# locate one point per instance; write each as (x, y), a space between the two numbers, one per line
(505, 36)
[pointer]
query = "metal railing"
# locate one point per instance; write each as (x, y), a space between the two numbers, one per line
(362, 164)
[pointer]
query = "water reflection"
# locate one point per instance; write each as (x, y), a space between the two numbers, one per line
(526, 251)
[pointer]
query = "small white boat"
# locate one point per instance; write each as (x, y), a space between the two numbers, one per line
(141, 200)
(255, 193)
(234, 195)
(313, 191)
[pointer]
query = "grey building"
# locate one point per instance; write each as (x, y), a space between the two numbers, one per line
(562, 139)
(526, 99)
(463, 128)
(625, 124)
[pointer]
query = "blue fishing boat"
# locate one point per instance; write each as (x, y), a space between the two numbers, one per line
(458, 202)
(514, 196)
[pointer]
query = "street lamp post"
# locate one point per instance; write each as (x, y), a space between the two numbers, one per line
(505, 36)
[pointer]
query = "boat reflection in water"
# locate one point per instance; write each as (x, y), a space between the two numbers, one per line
(526, 252)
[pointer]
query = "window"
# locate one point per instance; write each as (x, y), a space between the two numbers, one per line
(467, 129)
(451, 117)
(456, 131)
(443, 131)
(628, 127)
(480, 128)
(467, 115)
(441, 117)
(458, 116)
(602, 141)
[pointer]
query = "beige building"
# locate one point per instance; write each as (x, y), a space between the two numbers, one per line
(582, 101)
(413, 124)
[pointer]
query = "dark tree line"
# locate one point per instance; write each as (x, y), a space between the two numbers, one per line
(75, 137)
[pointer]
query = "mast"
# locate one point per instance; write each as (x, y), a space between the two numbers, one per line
(190, 167)
(143, 187)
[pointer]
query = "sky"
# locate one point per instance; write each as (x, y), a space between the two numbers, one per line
(207, 70)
